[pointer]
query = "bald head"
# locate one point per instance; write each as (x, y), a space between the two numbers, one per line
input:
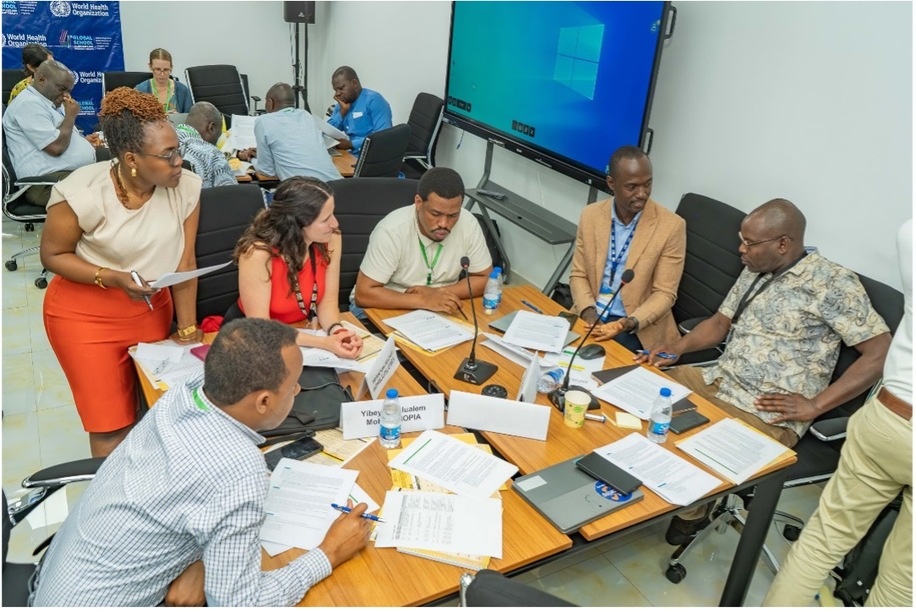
(53, 80)
(207, 120)
(780, 217)
(280, 95)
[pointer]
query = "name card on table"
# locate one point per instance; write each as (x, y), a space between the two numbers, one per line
(418, 413)
(498, 415)
(528, 390)
(381, 371)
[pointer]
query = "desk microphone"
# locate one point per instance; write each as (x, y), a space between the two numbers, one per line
(557, 397)
(471, 370)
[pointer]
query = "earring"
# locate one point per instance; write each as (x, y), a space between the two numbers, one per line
(133, 172)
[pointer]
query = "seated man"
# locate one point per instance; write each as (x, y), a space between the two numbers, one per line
(358, 111)
(39, 130)
(288, 141)
(197, 138)
(784, 318)
(175, 511)
(414, 254)
(629, 231)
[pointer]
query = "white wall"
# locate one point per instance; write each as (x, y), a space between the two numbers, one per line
(755, 100)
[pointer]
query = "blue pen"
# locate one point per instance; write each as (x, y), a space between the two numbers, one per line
(532, 307)
(365, 515)
(662, 355)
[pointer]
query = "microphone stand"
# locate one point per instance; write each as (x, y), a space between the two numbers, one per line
(557, 397)
(471, 370)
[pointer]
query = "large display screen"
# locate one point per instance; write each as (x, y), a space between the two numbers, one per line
(564, 83)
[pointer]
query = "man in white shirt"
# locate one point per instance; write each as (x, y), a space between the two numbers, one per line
(39, 129)
(414, 256)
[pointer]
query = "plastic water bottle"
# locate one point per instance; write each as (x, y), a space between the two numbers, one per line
(493, 292)
(550, 380)
(660, 418)
(389, 435)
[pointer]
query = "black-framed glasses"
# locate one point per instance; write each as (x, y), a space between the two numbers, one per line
(169, 157)
(750, 244)
(166, 70)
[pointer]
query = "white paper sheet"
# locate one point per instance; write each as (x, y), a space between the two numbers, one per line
(159, 352)
(732, 449)
(321, 358)
(538, 332)
(675, 479)
(458, 466)
(498, 415)
(441, 522)
(429, 330)
(298, 505)
(173, 278)
(242, 133)
(636, 390)
(515, 354)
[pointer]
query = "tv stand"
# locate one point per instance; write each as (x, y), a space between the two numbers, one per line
(533, 218)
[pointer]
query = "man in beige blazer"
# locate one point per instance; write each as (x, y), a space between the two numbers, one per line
(648, 238)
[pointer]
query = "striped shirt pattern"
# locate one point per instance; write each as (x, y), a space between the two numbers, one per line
(208, 162)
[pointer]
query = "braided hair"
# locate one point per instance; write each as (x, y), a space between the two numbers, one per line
(124, 114)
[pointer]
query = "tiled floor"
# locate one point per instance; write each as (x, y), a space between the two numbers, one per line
(41, 428)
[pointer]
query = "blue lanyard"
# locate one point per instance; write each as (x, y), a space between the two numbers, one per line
(615, 255)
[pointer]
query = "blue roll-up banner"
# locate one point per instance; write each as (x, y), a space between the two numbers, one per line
(85, 36)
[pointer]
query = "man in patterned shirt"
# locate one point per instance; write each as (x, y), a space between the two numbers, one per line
(784, 319)
(174, 513)
(197, 138)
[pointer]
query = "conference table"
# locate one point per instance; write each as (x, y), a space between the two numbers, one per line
(564, 443)
(386, 577)
(344, 161)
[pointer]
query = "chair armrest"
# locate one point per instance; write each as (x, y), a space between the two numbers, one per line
(491, 589)
(685, 327)
(58, 475)
(830, 430)
(37, 180)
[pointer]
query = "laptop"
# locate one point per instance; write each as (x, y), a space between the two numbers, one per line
(502, 324)
(568, 497)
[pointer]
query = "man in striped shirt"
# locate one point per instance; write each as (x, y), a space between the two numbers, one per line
(175, 511)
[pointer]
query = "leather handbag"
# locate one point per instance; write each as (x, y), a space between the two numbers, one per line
(317, 406)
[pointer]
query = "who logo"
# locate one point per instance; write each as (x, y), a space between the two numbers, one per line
(60, 9)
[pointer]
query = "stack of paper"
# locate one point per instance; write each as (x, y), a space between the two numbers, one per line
(167, 363)
(537, 332)
(636, 390)
(429, 330)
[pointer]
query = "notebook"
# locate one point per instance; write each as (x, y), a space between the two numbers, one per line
(502, 324)
(568, 497)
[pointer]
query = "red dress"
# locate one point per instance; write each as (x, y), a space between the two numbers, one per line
(284, 306)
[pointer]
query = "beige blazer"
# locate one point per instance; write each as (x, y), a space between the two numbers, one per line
(656, 257)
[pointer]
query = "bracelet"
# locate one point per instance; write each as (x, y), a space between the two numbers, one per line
(188, 332)
(98, 277)
(333, 325)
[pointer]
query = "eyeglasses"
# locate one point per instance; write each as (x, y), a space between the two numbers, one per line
(164, 70)
(169, 157)
(756, 242)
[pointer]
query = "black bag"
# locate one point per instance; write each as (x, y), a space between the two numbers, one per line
(317, 406)
(562, 295)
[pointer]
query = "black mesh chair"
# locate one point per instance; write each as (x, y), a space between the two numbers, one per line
(225, 213)
(10, 79)
(489, 588)
(424, 122)
(221, 85)
(359, 204)
(382, 153)
(114, 79)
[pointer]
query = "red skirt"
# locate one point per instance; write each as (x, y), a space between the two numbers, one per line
(90, 330)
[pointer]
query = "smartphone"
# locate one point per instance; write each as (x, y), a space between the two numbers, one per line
(569, 317)
(685, 421)
(299, 449)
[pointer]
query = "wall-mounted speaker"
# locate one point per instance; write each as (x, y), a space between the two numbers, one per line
(299, 12)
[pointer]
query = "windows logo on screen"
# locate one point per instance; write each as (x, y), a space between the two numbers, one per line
(578, 52)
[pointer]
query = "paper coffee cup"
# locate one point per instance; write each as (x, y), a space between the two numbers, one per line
(575, 405)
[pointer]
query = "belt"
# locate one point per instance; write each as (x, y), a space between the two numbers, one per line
(895, 404)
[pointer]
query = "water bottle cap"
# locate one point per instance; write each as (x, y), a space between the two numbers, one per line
(393, 393)
(495, 273)
(498, 270)
(665, 392)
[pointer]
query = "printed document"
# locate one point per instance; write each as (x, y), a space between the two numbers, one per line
(732, 449)
(298, 505)
(173, 278)
(441, 522)
(674, 479)
(636, 390)
(242, 133)
(455, 465)
(537, 332)
(321, 358)
(429, 330)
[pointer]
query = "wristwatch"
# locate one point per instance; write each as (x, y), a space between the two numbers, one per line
(633, 325)
(188, 332)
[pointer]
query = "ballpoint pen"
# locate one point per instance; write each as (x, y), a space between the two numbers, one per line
(662, 355)
(365, 515)
(532, 307)
(461, 310)
(139, 281)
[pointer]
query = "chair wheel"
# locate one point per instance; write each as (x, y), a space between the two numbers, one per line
(41, 282)
(675, 573)
(11, 265)
(791, 532)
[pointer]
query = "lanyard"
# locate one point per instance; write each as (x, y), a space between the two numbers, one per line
(201, 404)
(168, 90)
(429, 266)
(614, 259)
(312, 311)
(747, 298)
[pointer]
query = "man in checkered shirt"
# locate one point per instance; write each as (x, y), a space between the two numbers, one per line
(175, 511)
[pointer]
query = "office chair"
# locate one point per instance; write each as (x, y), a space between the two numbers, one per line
(9, 80)
(382, 153)
(119, 78)
(489, 588)
(359, 204)
(41, 485)
(424, 121)
(818, 451)
(225, 213)
(221, 85)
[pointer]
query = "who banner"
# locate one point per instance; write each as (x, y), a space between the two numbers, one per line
(85, 36)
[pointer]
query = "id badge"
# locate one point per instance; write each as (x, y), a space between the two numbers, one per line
(604, 298)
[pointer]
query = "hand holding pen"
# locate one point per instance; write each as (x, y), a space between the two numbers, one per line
(655, 357)
(365, 515)
(143, 285)
(348, 534)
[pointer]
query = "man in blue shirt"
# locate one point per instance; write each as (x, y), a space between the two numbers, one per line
(359, 112)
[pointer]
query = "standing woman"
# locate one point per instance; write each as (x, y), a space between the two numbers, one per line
(140, 213)
(174, 97)
(33, 56)
(289, 265)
